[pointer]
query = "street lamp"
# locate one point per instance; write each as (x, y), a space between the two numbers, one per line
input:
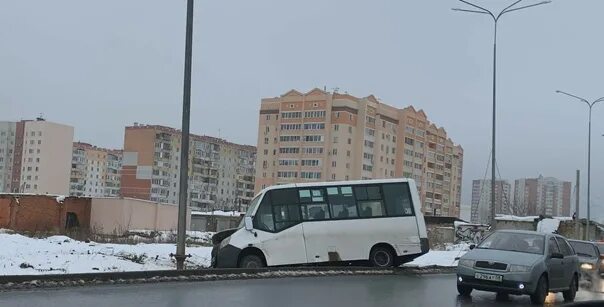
(480, 10)
(590, 105)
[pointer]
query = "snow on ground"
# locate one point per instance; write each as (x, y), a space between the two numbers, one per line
(548, 225)
(218, 212)
(438, 258)
(22, 255)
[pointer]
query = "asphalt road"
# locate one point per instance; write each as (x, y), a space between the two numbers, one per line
(348, 291)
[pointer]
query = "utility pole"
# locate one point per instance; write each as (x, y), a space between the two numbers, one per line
(577, 221)
(184, 148)
(480, 10)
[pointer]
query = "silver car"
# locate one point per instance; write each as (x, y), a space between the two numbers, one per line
(519, 263)
(590, 260)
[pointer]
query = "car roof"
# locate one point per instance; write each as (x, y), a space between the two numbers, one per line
(528, 232)
(582, 241)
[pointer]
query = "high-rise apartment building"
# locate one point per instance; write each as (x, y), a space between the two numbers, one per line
(8, 132)
(323, 136)
(221, 174)
(542, 196)
(481, 200)
(95, 171)
(36, 156)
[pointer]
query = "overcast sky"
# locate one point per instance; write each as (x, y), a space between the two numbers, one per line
(102, 65)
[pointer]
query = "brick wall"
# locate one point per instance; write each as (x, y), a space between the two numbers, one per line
(41, 212)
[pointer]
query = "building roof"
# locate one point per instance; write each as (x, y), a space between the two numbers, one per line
(202, 138)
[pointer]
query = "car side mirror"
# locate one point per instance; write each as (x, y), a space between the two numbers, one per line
(472, 246)
(557, 256)
(248, 223)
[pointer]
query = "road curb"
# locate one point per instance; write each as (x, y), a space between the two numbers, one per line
(13, 282)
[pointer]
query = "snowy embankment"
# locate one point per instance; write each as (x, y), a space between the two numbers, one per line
(20, 255)
(447, 258)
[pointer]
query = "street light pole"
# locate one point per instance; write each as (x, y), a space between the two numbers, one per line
(480, 10)
(590, 105)
(184, 146)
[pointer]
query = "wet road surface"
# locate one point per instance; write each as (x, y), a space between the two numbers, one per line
(348, 291)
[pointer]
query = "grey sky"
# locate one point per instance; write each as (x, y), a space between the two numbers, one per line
(101, 65)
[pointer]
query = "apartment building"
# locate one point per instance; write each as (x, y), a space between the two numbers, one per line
(95, 171)
(221, 173)
(481, 200)
(325, 136)
(36, 156)
(7, 154)
(542, 196)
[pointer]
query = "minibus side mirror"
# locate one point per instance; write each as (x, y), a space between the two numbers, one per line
(248, 223)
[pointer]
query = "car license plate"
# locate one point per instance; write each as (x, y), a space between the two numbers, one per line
(489, 277)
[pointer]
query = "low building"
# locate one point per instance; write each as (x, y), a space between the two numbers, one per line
(215, 221)
(59, 214)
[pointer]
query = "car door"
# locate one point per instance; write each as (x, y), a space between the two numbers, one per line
(569, 263)
(554, 265)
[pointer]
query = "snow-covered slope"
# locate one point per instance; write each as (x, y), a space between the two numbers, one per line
(21, 255)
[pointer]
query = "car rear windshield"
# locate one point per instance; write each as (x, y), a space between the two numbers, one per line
(516, 242)
(584, 249)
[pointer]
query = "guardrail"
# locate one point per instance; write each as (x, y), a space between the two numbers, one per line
(79, 279)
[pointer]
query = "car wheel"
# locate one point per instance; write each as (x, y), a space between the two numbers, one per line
(251, 262)
(381, 256)
(464, 290)
(538, 297)
(569, 295)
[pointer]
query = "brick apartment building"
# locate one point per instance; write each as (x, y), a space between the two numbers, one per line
(543, 195)
(95, 171)
(35, 156)
(221, 173)
(324, 136)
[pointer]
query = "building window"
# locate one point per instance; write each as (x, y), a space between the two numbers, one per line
(334, 152)
(291, 114)
(335, 139)
(289, 150)
(336, 127)
(310, 163)
(310, 175)
(39, 142)
(313, 138)
(348, 153)
(333, 163)
(349, 141)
